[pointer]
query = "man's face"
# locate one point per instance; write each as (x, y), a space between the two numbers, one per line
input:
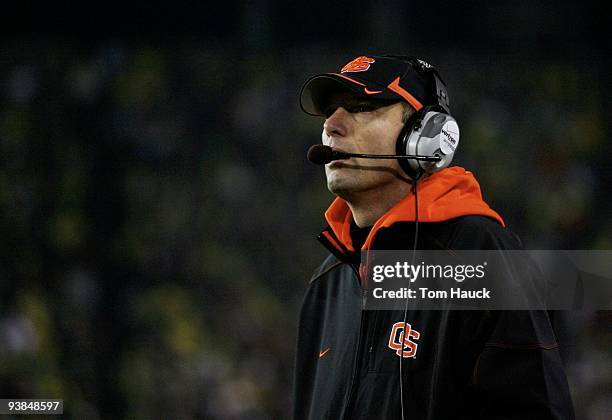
(361, 125)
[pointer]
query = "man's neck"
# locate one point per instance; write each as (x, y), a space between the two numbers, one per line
(367, 207)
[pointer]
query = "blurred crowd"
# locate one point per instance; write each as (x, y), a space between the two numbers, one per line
(158, 215)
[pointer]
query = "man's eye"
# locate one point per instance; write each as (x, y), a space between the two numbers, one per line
(353, 109)
(361, 108)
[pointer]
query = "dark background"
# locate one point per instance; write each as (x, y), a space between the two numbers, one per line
(158, 215)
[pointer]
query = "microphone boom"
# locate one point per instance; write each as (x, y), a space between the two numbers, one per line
(321, 155)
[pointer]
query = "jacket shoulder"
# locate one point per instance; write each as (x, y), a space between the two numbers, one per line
(328, 264)
(481, 232)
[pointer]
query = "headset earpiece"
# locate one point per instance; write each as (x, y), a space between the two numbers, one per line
(431, 131)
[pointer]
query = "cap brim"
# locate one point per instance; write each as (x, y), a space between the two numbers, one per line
(317, 91)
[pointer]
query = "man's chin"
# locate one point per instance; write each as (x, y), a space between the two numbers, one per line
(343, 187)
(336, 186)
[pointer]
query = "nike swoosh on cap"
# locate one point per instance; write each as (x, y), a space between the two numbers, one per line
(324, 352)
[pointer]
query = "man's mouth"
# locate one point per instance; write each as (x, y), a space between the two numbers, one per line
(336, 149)
(336, 164)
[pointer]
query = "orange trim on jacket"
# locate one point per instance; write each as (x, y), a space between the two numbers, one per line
(444, 195)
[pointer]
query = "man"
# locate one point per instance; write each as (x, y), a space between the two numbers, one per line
(353, 363)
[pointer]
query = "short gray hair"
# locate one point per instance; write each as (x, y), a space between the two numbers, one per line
(408, 111)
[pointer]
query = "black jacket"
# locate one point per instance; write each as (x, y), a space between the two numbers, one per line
(467, 364)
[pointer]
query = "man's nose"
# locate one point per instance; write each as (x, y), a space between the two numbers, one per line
(336, 124)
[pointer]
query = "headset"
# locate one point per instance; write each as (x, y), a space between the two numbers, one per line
(430, 131)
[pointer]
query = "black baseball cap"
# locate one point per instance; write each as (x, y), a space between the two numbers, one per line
(382, 77)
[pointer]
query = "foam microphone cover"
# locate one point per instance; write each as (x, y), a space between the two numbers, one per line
(320, 154)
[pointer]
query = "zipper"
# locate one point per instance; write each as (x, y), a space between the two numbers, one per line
(343, 255)
(352, 387)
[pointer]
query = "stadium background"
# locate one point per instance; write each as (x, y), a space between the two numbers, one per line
(158, 215)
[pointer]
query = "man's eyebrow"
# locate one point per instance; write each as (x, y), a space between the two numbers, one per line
(356, 101)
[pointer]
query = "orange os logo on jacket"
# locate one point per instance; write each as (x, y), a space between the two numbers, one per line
(401, 342)
(359, 64)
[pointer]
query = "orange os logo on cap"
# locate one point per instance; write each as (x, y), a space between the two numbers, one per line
(359, 64)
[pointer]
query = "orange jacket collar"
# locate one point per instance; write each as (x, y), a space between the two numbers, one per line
(450, 193)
